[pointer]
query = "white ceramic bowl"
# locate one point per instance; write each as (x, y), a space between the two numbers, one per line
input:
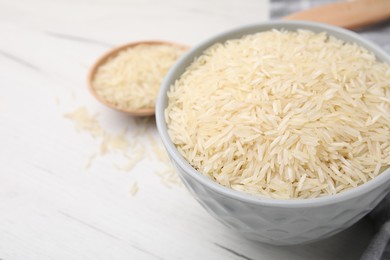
(273, 221)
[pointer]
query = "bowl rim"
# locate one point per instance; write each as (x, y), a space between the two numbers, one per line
(186, 59)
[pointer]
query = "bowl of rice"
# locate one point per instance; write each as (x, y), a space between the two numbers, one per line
(127, 78)
(281, 130)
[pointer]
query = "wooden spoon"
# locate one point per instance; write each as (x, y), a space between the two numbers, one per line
(112, 53)
(348, 14)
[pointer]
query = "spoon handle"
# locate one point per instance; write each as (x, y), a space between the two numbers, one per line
(349, 14)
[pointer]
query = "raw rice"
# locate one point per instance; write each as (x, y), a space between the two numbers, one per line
(132, 79)
(134, 188)
(284, 114)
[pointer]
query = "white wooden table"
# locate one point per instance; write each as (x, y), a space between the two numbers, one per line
(53, 205)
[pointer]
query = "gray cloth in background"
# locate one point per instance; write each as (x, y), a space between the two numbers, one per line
(381, 217)
(379, 34)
